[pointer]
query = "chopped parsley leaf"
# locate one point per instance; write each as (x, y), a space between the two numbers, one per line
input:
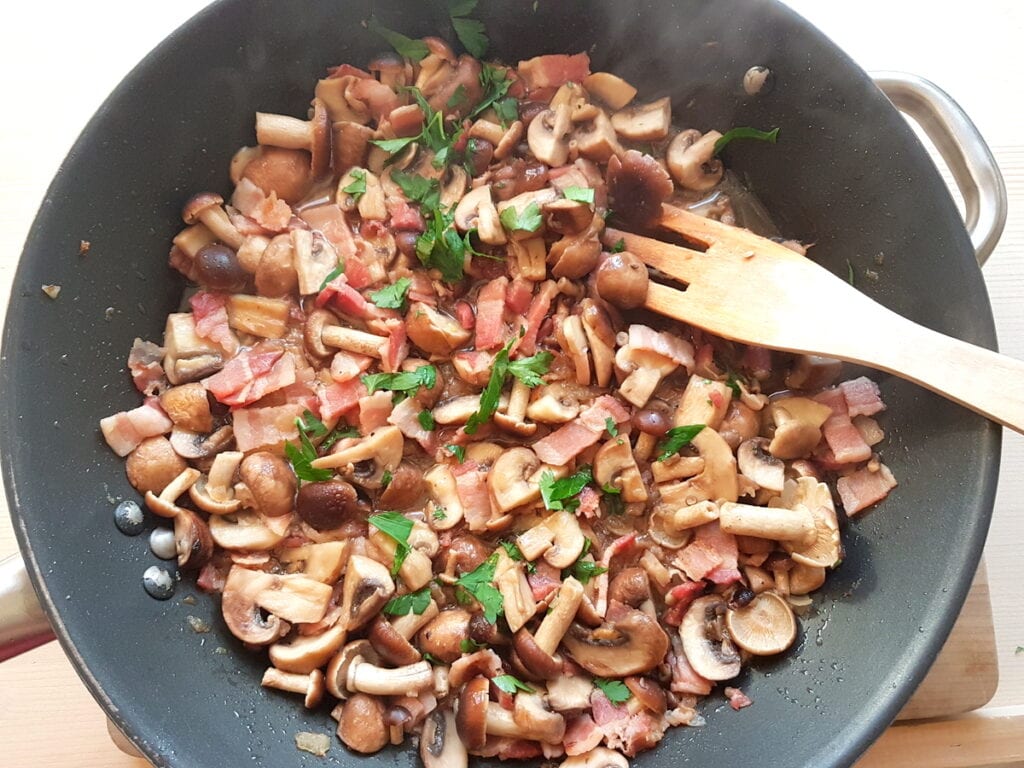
(337, 271)
(511, 684)
(426, 420)
(610, 428)
(620, 245)
(584, 570)
(406, 381)
(579, 194)
(405, 46)
(397, 527)
(458, 451)
(560, 494)
(527, 369)
(414, 602)
(358, 186)
(527, 221)
(478, 583)
(615, 690)
(469, 645)
(392, 296)
(745, 133)
(675, 439)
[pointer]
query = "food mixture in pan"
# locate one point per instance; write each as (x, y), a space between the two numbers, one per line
(416, 428)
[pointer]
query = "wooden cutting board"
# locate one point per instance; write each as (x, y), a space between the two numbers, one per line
(965, 674)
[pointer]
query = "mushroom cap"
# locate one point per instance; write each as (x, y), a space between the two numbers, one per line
(827, 548)
(198, 203)
(798, 423)
(440, 745)
(270, 481)
(691, 161)
(510, 479)
(443, 636)
(302, 654)
(286, 172)
(637, 186)
(471, 716)
(391, 646)
(631, 586)
(529, 713)
(153, 465)
(764, 627)
(241, 613)
(337, 670)
(433, 331)
(202, 499)
(362, 725)
(648, 693)
(707, 648)
(533, 658)
(192, 540)
(243, 531)
(548, 139)
(567, 217)
(644, 122)
(631, 644)
(615, 466)
(196, 445)
(757, 464)
(327, 504)
(623, 280)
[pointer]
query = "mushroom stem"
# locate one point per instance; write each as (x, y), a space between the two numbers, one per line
(559, 616)
(518, 400)
(312, 685)
(283, 131)
(164, 504)
(216, 220)
(409, 680)
(352, 340)
(410, 624)
(220, 482)
(776, 523)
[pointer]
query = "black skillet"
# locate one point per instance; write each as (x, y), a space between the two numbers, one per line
(847, 174)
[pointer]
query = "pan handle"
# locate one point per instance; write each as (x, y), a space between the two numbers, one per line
(23, 624)
(962, 147)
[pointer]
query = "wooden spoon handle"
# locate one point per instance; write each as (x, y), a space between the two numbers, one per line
(977, 378)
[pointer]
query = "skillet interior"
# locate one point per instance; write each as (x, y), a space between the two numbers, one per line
(847, 174)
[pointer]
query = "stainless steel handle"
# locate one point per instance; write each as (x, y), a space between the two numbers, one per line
(962, 147)
(23, 624)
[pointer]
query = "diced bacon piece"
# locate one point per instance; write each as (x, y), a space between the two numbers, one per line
(519, 295)
(145, 362)
(471, 485)
(844, 440)
(723, 543)
(213, 576)
(757, 361)
(268, 211)
(590, 503)
(349, 365)
(125, 430)
(863, 488)
(464, 314)
(358, 273)
(539, 308)
(405, 416)
(605, 407)
(511, 749)
(737, 698)
(344, 70)
(684, 678)
(663, 343)
(404, 218)
(863, 397)
(565, 443)
(330, 290)
(330, 220)
(581, 735)
(421, 289)
(640, 732)
(604, 712)
(544, 580)
(339, 399)
(398, 345)
(473, 367)
(680, 597)
(724, 576)
(246, 227)
(209, 311)
(377, 96)
(374, 411)
(490, 315)
(251, 375)
(698, 559)
(347, 299)
(265, 427)
(553, 70)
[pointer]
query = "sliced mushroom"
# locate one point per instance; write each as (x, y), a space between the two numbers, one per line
(615, 467)
(258, 315)
(535, 662)
(471, 714)
(304, 653)
(553, 404)
(245, 531)
(390, 644)
(271, 483)
(691, 160)
(756, 463)
(811, 372)
(187, 356)
(804, 579)
(192, 540)
(629, 645)
(196, 445)
(598, 757)
(596, 139)
(798, 423)
(826, 549)
(407, 680)
(548, 135)
(322, 561)
(569, 692)
(764, 627)
(368, 586)
(718, 481)
(433, 331)
(567, 217)
(440, 745)
(165, 504)
(514, 477)
(338, 669)
(644, 122)
(706, 643)
(531, 719)
(477, 211)
(314, 259)
(609, 88)
(208, 208)
(200, 495)
(443, 636)
(383, 445)
(294, 598)
(644, 372)
(513, 417)
(575, 256)
(445, 510)
(561, 612)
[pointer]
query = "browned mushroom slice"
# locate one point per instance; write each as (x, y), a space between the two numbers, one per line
(434, 332)
(764, 627)
(628, 643)
(197, 446)
(644, 122)
(338, 669)
(153, 465)
(757, 464)
(270, 481)
(534, 658)
(322, 561)
(302, 654)
(242, 612)
(548, 136)
(615, 467)
(368, 586)
(192, 540)
(705, 641)
(245, 531)
(609, 88)
(798, 423)
(187, 356)
(691, 160)
(391, 646)
(258, 315)
(188, 406)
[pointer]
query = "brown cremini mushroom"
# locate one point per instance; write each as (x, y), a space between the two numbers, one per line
(368, 586)
(628, 643)
(471, 714)
(328, 504)
(270, 481)
(313, 135)
(362, 726)
(798, 423)
(440, 745)
(444, 635)
(707, 644)
(304, 653)
(616, 467)
(311, 685)
(285, 172)
(622, 280)
(644, 122)
(192, 540)
(637, 186)
(207, 208)
(153, 465)
(691, 160)
(757, 464)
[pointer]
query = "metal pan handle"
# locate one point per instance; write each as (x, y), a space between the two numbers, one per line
(962, 147)
(23, 624)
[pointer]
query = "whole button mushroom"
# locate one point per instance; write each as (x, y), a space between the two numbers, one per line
(443, 637)
(270, 481)
(622, 280)
(217, 267)
(362, 726)
(328, 504)
(153, 464)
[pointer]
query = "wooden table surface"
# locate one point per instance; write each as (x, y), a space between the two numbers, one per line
(59, 62)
